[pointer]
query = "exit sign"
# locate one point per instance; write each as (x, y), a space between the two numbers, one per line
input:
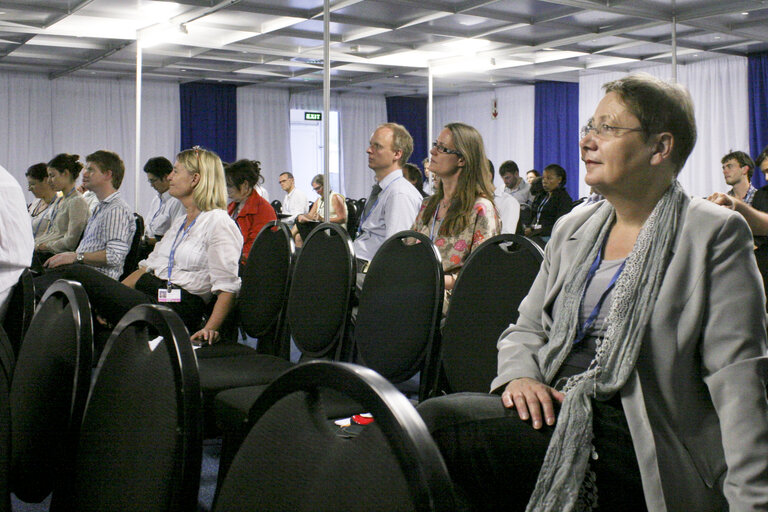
(313, 116)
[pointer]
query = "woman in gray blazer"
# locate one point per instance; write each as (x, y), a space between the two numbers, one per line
(639, 354)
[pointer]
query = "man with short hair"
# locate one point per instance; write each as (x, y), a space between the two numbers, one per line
(295, 201)
(164, 208)
(514, 185)
(109, 232)
(16, 239)
(394, 202)
(737, 169)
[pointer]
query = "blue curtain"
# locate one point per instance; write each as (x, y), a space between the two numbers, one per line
(411, 113)
(209, 118)
(556, 130)
(758, 109)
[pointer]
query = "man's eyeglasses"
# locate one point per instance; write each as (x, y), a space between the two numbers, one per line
(316, 188)
(442, 149)
(605, 130)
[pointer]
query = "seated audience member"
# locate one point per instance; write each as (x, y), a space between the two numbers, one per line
(531, 175)
(760, 200)
(507, 206)
(41, 208)
(337, 213)
(429, 178)
(16, 239)
(109, 232)
(194, 264)
(394, 202)
(247, 207)
(460, 215)
(69, 213)
(414, 177)
(552, 205)
(737, 170)
(164, 208)
(295, 201)
(514, 185)
(635, 383)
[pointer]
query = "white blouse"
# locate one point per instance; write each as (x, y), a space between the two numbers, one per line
(206, 258)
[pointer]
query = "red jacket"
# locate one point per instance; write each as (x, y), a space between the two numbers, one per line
(251, 218)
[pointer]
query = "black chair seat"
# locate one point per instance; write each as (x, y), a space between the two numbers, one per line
(223, 350)
(228, 372)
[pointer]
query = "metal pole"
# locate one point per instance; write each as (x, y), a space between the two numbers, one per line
(674, 43)
(137, 170)
(429, 106)
(326, 105)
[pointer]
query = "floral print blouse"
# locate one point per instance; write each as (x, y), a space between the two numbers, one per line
(454, 249)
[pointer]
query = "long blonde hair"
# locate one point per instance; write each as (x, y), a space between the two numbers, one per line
(211, 191)
(474, 181)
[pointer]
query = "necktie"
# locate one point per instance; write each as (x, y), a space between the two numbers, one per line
(375, 190)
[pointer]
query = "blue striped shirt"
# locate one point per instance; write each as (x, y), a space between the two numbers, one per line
(111, 228)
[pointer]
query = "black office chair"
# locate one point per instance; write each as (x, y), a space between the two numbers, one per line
(277, 206)
(292, 459)
(6, 372)
(132, 258)
(21, 309)
(319, 305)
(140, 444)
(494, 280)
(398, 316)
(48, 392)
(261, 303)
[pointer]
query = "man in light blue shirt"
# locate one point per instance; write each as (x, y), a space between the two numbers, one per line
(394, 202)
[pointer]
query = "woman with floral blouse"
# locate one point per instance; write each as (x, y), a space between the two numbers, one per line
(460, 215)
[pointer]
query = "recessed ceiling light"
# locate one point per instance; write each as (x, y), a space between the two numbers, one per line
(717, 37)
(745, 13)
(183, 70)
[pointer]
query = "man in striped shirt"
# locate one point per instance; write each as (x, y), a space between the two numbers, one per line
(109, 232)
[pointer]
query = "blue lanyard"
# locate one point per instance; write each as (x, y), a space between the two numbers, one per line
(42, 214)
(360, 227)
(175, 245)
(57, 207)
(541, 208)
(157, 211)
(582, 330)
(434, 222)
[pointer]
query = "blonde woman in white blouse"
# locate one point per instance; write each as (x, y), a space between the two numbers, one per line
(196, 262)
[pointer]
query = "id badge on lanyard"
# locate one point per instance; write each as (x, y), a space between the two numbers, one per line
(171, 294)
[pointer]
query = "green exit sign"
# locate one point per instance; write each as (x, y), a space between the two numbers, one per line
(313, 116)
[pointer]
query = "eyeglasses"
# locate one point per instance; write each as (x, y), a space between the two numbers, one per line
(284, 180)
(605, 130)
(152, 181)
(316, 187)
(442, 149)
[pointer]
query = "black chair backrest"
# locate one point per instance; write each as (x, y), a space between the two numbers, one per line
(21, 309)
(265, 281)
(400, 307)
(48, 391)
(353, 217)
(321, 292)
(393, 464)
(132, 258)
(277, 206)
(6, 372)
(495, 278)
(140, 443)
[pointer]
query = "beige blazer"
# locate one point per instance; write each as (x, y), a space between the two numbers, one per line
(696, 402)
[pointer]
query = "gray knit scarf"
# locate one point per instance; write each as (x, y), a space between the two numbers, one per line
(566, 462)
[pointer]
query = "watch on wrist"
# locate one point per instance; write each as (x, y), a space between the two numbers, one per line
(80, 257)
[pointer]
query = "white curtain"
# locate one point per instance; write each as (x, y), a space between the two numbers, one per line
(719, 91)
(264, 132)
(507, 137)
(40, 118)
(359, 115)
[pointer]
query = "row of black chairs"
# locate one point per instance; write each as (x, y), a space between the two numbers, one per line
(130, 435)
(396, 330)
